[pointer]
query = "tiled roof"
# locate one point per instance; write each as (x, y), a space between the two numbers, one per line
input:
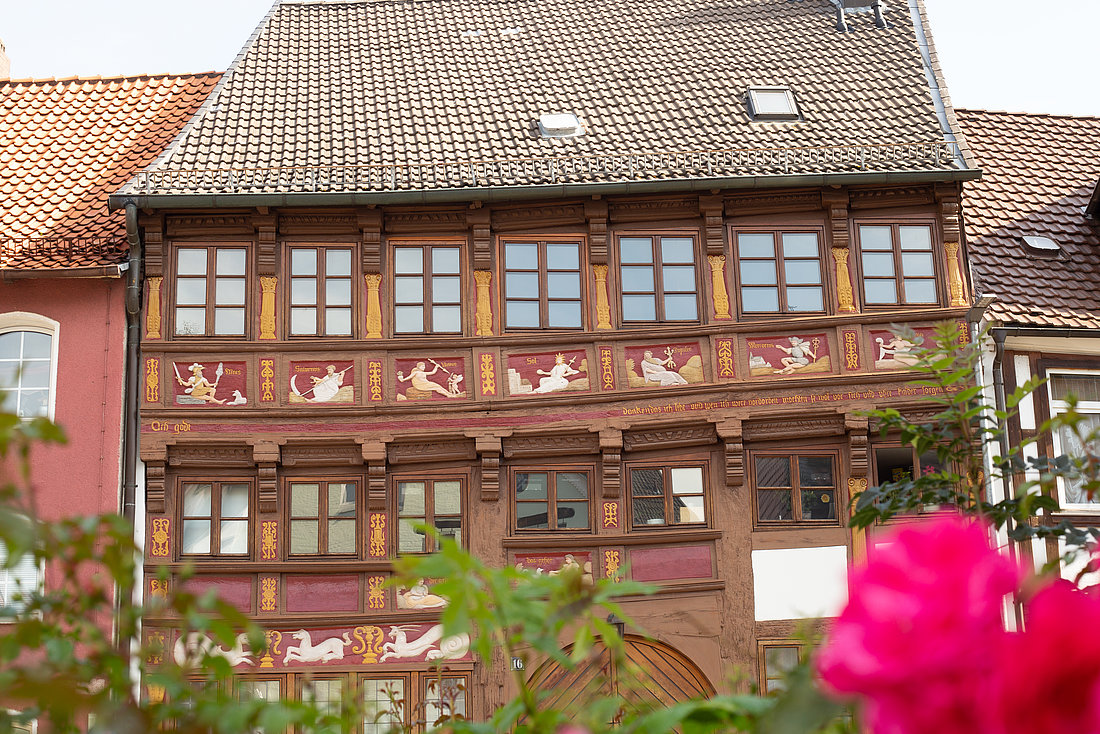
(392, 94)
(1039, 174)
(66, 145)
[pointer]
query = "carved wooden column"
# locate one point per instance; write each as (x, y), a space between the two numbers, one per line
(265, 226)
(730, 431)
(948, 197)
(713, 211)
(595, 213)
(484, 314)
(370, 234)
(856, 426)
(835, 202)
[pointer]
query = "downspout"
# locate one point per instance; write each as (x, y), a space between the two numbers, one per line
(133, 344)
(1009, 482)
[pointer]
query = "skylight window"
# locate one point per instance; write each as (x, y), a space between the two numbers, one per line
(1042, 246)
(560, 125)
(772, 103)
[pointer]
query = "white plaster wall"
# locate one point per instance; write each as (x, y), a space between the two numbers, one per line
(798, 583)
(1022, 365)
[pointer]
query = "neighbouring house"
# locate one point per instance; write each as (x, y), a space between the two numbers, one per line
(1033, 227)
(602, 284)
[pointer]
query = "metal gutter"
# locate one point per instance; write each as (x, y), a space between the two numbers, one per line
(520, 193)
(1059, 332)
(90, 271)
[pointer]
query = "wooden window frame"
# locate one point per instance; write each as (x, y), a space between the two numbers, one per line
(542, 272)
(780, 268)
(668, 496)
(319, 304)
(899, 277)
(894, 442)
(762, 648)
(551, 496)
(215, 518)
(658, 264)
(1058, 406)
(427, 274)
(323, 517)
(210, 305)
(430, 515)
(796, 489)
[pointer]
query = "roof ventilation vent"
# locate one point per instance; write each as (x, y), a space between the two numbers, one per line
(560, 125)
(858, 6)
(1042, 246)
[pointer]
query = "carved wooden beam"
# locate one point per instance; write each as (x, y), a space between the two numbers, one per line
(729, 431)
(836, 201)
(857, 428)
(479, 222)
(489, 447)
(948, 198)
(153, 238)
(374, 456)
(595, 213)
(369, 222)
(611, 457)
(266, 454)
(266, 226)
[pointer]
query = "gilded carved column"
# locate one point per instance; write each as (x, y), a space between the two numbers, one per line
(374, 306)
(954, 274)
(152, 310)
(267, 306)
(719, 295)
(603, 307)
(844, 295)
(484, 314)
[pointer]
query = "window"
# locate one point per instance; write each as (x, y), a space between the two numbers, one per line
(27, 357)
(433, 502)
(657, 276)
(795, 487)
(1085, 387)
(322, 517)
(552, 500)
(776, 660)
(780, 272)
(898, 463)
(444, 699)
(211, 291)
(427, 290)
(898, 267)
(215, 518)
(542, 285)
(772, 103)
(320, 291)
(24, 578)
(383, 704)
(662, 496)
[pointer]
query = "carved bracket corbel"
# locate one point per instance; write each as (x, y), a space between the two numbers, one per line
(154, 486)
(611, 456)
(267, 454)
(729, 431)
(489, 448)
(857, 427)
(265, 226)
(374, 456)
(595, 213)
(480, 223)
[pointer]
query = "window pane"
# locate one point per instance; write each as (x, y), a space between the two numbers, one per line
(521, 285)
(409, 539)
(234, 500)
(521, 256)
(677, 250)
(920, 291)
(680, 308)
(893, 464)
(190, 321)
(383, 705)
(636, 250)
(445, 290)
(878, 264)
(337, 292)
(303, 291)
(34, 403)
(758, 272)
(304, 500)
(341, 536)
(338, 321)
(563, 285)
(448, 498)
(562, 256)
(303, 262)
(875, 238)
(687, 480)
(755, 245)
(647, 482)
(408, 260)
(229, 261)
(196, 536)
(408, 319)
(303, 536)
(449, 527)
(802, 271)
(447, 319)
(758, 300)
(410, 498)
(571, 485)
(915, 238)
(799, 244)
(522, 314)
(338, 262)
(815, 471)
(234, 536)
(196, 500)
(880, 291)
(229, 321)
(229, 291)
(191, 291)
(564, 314)
(11, 344)
(341, 500)
(531, 515)
(33, 374)
(805, 299)
(639, 308)
(573, 515)
(637, 278)
(916, 264)
(191, 262)
(774, 504)
(445, 260)
(818, 504)
(448, 702)
(688, 509)
(648, 510)
(531, 486)
(678, 278)
(303, 321)
(773, 471)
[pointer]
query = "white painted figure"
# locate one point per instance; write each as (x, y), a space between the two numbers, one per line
(328, 649)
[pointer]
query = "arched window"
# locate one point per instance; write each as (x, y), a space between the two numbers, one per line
(28, 364)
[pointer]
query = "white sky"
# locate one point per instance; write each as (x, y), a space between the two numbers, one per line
(1016, 55)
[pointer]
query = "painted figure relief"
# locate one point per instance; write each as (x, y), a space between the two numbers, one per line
(431, 644)
(322, 382)
(419, 596)
(553, 564)
(543, 374)
(894, 351)
(430, 379)
(664, 365)
(190, 650)
(788, 355)
(199, 383)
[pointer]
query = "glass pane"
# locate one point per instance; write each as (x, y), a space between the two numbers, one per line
(190, 321)
(916, 264)
(874, 238)
(229, 291)
(338, 292)
(303, 536)
(805, 299)
(234, 500)
(915, 238)
(893, 464)
(196, 500)
(677, 250)
(815, 471)
(383, 705)
(687, 509)
(648, 510)
(234, 536)
(303, 321)
(635, 250)
(779, 660)
(408, 260)
(774, 504)
(338, 262)
(11, 344)
(410, 498)
(758, 300)
(920, 291)
(408, 319)
(341, 500)
(445, 260)
(877, 264)
(449, 527)
(564, 314)
(521, 285)
(448, 702)
(196, 536)
(563, 285)
(34, 403)
(680, 308)
(531, 486)
(33, 374)
(448, 498)
(571, 485)
(229, 261)
(229, 321)
(573, 515)
(262, 690)
(191, 291)
(647, 482)
(304, 500)
(563, 256)
(773, 471)
(522, 314)
(818, 504)
(799, 244)
(531, 516)
(678, 278)
(687, 480)
(930, 463)
(758, 272)
(639, 308)
(755, 245)
(521, 256)
(36, 345)
(9, 400)
(303, 262)
(637, 278)
(338, 321)
(880, 291)
(409, 539)
(191, 262)
(303, 291)
(447, 319)
(445, 290)
(802, 271)
(341, 536)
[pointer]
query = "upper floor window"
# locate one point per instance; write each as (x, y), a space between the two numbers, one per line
(427, 290)
(542, 285)
(211, 291)
(436, 503)
(667, 495)
(794, 487)
(26, 365)
(657, 278)
(215, 518)
(897, 264)
(321, 291)
(23, 578)
(777, 660)
(552, 500)
(780, 272)
(322, 518)
(1085, 387)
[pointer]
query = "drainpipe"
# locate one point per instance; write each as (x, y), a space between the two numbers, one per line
(133, 344)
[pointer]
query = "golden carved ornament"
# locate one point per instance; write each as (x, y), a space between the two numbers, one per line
(603, 306)
(376, 541)
(488, 374)
(268, 284)
(611, 514)
(725, 358)
(369, 641)
(152, 380)
(152, 310)
(269, 594)
(269, 540)
(954, 275)
(844, 295)
(159, 537)
(611, 563)
(376, 595)
(274, 639)
(851, 350)
(374, 305)
(484, 313)
(267, 385)
(719, 294)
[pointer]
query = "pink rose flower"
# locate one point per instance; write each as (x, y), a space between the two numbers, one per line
(915, 639)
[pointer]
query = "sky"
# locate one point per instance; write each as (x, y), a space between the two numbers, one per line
(1015, 55)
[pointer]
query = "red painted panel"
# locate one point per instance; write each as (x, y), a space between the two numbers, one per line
(235, 590)
(670, 564)
(322, 593)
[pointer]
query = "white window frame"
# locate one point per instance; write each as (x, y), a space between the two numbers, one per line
(9, 576)
(1057, 407)
(26, 321)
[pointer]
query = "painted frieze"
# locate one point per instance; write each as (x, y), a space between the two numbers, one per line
(430, 379)
(894, 348)
(664, 365)
(209, 383)
(419, 596)
(322, 382)
(553, 564)
(790, 354)
(548, 373)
